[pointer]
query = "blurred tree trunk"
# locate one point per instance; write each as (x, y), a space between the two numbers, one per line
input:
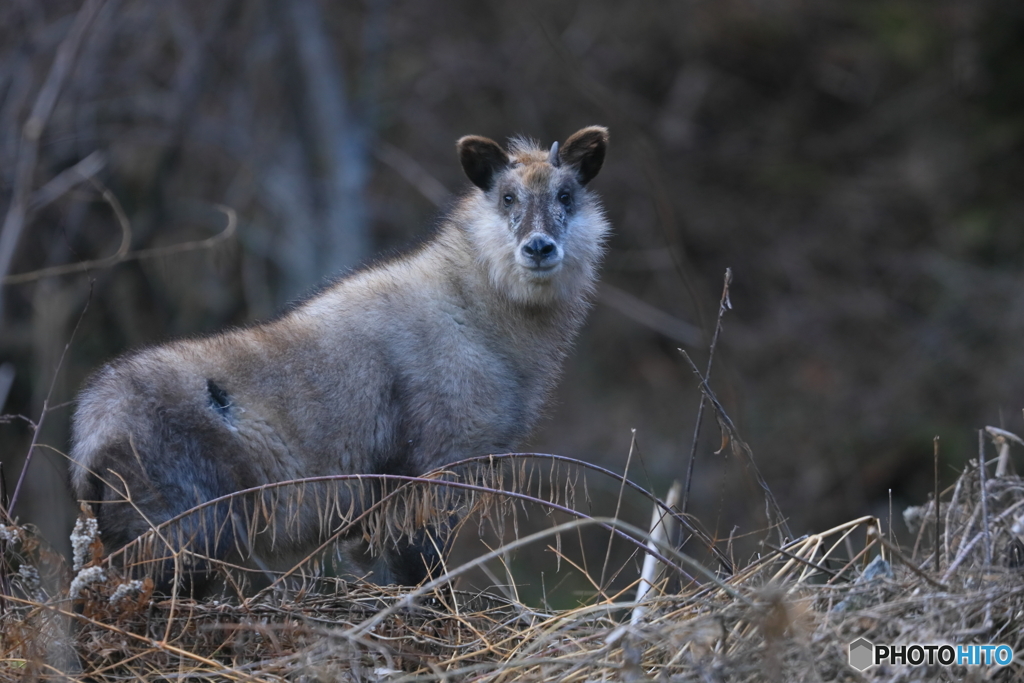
(336, 143)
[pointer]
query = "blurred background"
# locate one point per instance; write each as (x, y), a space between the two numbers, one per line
(858, 166)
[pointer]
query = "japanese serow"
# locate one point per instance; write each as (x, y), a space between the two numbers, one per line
(446, 352)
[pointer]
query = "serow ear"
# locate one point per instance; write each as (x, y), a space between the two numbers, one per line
(584, 151)
(481, 159)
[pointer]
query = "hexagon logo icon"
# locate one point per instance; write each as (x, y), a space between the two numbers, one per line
(862, 654)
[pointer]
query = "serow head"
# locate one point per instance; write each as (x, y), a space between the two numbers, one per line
(536, 193)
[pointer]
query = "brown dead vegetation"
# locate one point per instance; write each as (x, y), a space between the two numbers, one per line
(788, 614)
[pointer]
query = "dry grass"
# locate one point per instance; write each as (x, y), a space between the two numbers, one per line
(788, 615)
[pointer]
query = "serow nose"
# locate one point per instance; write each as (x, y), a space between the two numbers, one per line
(539, 248)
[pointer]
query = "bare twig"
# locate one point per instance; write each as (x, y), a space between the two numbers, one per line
(66, 180)
(874, 534)
(739, 446)
(5, 584)
(953, 501)
(641, 312)
(682, 520)
(32, 131)
(430, 187)
(122, 255)
(816, 540)
(856, 558)
(618, 507)
(800, 560)
(968, 546)
(45, 409)
(81, 266)
(5, 502)
(6, 382)
(935, 501)
(629, 531)
(984, 498)
(723, 304)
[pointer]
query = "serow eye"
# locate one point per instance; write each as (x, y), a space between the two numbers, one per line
(508, 199)
(565, 198)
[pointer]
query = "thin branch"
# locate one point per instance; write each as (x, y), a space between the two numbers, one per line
(639, 311)
(722, 306)
(796, 558)
(46, 403)
(627, 531)
(6, 382)
(935, 501)
(618, 507)
(66, 180)
(81, 266)
(432, 189)
(984, 498)
(968, 546)
(32, 131)
(5, 584)
(122, 255)
(185, 247)
(740, 446)
(681, 519)
(875, 535)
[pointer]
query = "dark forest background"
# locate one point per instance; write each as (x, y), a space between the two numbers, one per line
(858, 166)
